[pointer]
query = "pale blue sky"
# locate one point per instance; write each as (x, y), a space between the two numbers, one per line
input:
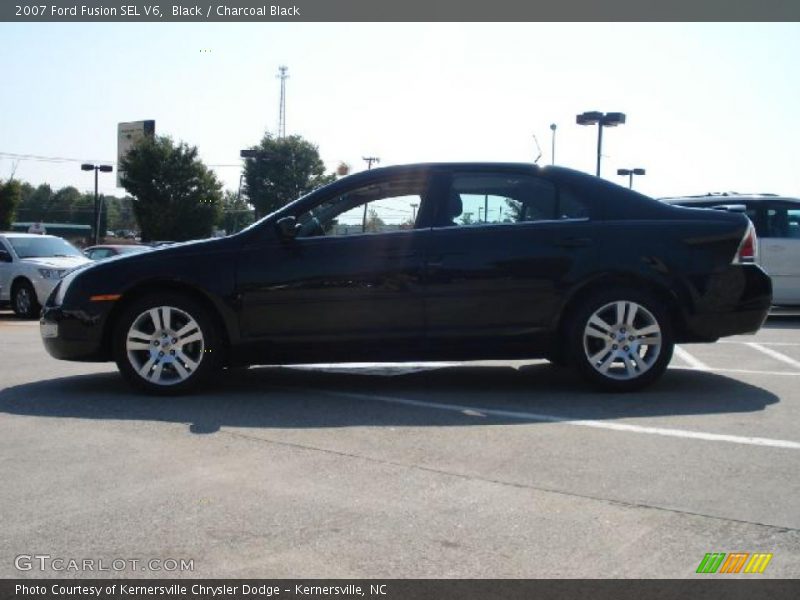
(710, 107)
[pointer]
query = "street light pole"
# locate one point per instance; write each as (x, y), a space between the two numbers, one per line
(553, 144)
(97, 209)
(630, 173)
(611, 119)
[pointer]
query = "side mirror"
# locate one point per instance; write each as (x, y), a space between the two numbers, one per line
(5, 256)
(288, 227)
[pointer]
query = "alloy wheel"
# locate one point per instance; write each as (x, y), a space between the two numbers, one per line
(622, 340)
(23, 301)
(165, 345)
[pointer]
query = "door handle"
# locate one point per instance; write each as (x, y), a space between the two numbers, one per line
(574, 242)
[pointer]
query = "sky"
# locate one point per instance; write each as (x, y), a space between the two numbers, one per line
(710, 107)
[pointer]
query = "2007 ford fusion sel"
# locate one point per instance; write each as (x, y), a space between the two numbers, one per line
(426, 262)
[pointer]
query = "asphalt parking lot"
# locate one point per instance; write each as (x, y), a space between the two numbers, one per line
(501, 469)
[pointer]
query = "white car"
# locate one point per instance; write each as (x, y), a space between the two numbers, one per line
(777, 222)
(31, 266)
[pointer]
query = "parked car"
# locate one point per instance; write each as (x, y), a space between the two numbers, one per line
(777, 222)
(109, 250)
(30, 267)
(437, 262)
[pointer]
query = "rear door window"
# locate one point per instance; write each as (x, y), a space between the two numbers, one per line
(506, 198)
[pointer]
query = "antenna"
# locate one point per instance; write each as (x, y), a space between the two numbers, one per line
(538, 149)
(283, 76)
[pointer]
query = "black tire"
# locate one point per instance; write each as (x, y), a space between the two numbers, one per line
(170, 364)
(23, 300)
(636, 355)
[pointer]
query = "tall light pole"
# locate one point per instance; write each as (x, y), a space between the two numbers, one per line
(553, 127)
(630, 173)
(96, 169)
(414, 206)
(611, 119)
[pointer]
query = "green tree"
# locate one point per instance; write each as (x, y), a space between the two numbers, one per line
(35, 203)
(177, 196)
(10, 193)
(63, 205)
(236, 213)
(374, 222)
(283, 170)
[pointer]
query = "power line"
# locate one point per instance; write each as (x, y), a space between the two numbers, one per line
(63, 159)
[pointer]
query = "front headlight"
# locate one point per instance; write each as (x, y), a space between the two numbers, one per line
(51, 273)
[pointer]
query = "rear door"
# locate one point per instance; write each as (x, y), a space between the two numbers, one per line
(780, 249)
(503, 247)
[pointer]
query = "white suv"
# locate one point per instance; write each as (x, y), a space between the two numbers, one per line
(777, 222)
(31, 266)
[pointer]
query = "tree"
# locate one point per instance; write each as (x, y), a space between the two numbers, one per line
(35, 203)
(236, 213)
(283, 170)
(374, 223)
(10, 194)
(65, 207)
(177, 196)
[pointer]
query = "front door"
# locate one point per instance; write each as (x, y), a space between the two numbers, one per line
(352, 273)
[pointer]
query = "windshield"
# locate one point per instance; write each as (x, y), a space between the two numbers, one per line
(39, 247)
(132, 249)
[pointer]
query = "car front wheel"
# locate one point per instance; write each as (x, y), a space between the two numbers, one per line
(23, 300)
(166, 344)
(620, 340)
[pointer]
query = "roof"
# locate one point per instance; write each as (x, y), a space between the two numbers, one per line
(20, 234)
(74, 226)
(726, 197)
(117, 246)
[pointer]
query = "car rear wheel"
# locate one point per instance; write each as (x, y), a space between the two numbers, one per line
(166, 344)
(620, 340)
(23, 300)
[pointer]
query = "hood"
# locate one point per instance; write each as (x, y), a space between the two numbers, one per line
(56, 262)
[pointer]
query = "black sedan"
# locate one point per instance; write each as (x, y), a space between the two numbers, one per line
(426, 262)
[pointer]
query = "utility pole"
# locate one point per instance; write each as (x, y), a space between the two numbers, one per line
(553, 128)
(283, 76)
(370, 160)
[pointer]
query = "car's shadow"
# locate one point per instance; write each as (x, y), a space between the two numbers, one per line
(276, 397)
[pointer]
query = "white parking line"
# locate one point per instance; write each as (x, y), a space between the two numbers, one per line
(775, 354)
(745, 371)
(478, 411)
(760, 342)
(693, 362)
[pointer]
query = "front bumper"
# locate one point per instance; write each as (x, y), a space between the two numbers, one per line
(73, 335)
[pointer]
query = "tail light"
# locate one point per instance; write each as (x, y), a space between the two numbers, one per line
(748, 248)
